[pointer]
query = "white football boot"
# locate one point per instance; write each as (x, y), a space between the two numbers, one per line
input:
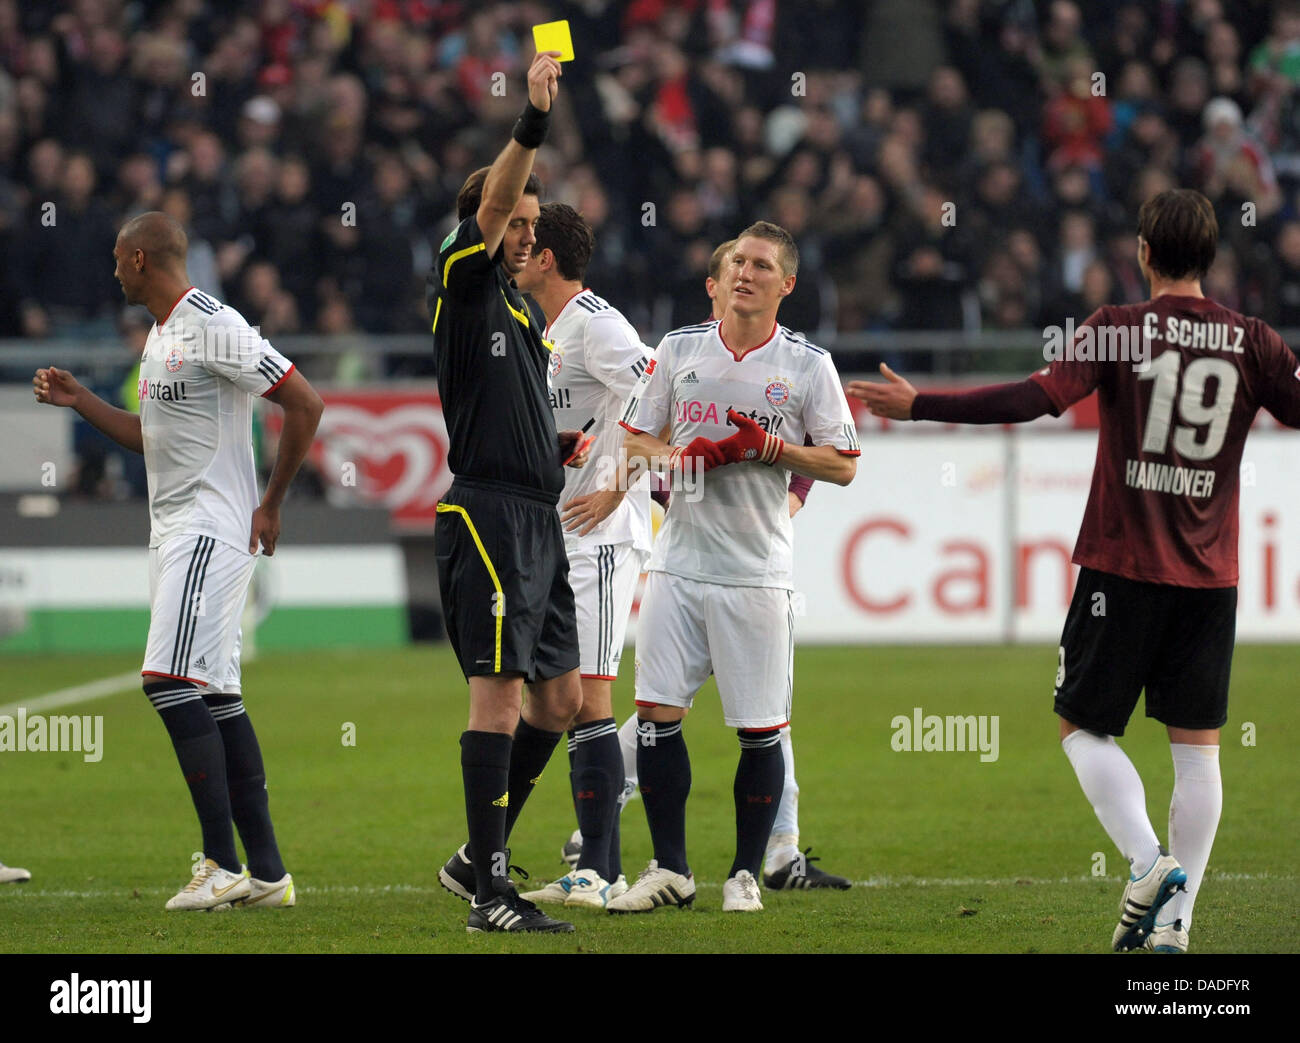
(1144, 898)
(211, 888)
(655, 887)
(13, 875)
(556, 892)
(588, 890)
(274, 894)
(1167, 937)
(740, 894)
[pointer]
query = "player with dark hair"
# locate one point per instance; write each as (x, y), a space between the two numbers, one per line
(1155, 603)
(502, 571)
(202, 365)
(596, 360)
(717, 599)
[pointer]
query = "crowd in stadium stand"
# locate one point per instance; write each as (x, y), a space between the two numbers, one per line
(942, 165)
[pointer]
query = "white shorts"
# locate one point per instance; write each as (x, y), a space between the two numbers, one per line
(743, 635)
(197, 588)
(603, 577)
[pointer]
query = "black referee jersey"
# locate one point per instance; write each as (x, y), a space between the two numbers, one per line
(492, 366)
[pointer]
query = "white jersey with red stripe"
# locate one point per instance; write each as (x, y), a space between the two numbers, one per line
(735, 528)
(596, 360)
(200, 369)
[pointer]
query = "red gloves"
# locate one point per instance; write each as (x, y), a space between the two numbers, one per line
(750, 443)
(700, 455)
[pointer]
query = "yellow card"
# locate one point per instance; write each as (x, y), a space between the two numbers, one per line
(554, 36)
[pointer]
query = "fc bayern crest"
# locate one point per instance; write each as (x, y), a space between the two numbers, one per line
(778, 393)
(175, 360)
(557, 360)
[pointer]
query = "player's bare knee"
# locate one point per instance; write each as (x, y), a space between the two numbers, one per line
(660, 713)
(597, 700)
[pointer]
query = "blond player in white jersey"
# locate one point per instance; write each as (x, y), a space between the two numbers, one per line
(202, 365)
(596, 360)
(717, 599)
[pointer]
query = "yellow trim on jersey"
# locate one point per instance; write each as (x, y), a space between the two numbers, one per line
(522, 316)
(498, 609)
(437, 310)
(457, 256)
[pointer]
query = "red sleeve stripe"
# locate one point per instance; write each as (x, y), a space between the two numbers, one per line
(292, 367)
(634, 430)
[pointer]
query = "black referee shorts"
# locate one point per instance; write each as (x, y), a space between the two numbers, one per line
(504, 580)
(1122, 636)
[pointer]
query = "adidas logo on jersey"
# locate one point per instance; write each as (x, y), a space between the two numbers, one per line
(202, 664)
(690, 378)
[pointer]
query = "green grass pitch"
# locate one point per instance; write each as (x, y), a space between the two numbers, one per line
(952, 854)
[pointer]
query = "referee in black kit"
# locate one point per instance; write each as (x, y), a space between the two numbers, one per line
(502, 570)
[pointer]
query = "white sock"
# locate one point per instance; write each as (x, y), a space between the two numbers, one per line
(1193, 819)
(627, 740)
(1114, 789)
(783, 844)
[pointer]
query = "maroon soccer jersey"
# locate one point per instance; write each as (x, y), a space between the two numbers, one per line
(1163, 503)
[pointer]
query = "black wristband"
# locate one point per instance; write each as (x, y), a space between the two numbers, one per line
(530, 128)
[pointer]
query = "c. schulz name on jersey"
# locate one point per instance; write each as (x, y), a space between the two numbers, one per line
(696, 412)
(163, 391)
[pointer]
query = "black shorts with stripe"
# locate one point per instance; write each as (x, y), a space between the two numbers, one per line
(1122, 636)
(504, 581)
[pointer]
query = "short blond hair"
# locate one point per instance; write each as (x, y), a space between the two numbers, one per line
(787, 250)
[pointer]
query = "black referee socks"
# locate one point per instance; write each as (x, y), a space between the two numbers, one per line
(485, 767)
(528, 757)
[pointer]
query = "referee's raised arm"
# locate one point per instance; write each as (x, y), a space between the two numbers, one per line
(509, 172)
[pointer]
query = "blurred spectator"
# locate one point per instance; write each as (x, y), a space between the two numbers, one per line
(1077, 120)
(1231, 167)
(1286, 287)
(66, 281)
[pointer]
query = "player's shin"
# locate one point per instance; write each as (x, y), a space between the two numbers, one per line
(627, 741)
(664, 768)
(1114, 789)
(597, 780)
(783, 844)
(246, 782)
(485, 768)
(197, 741)
(760, 778)
(1193, 820)
(529, 754)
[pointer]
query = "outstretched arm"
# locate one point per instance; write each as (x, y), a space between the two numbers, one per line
(58, 387)
(1012, 403)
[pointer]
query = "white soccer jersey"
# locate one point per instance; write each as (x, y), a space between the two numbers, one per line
(737, 531)
(595, 364)
(199, 372)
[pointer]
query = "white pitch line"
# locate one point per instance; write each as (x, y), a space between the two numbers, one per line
(876, 882)
(81, 693)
